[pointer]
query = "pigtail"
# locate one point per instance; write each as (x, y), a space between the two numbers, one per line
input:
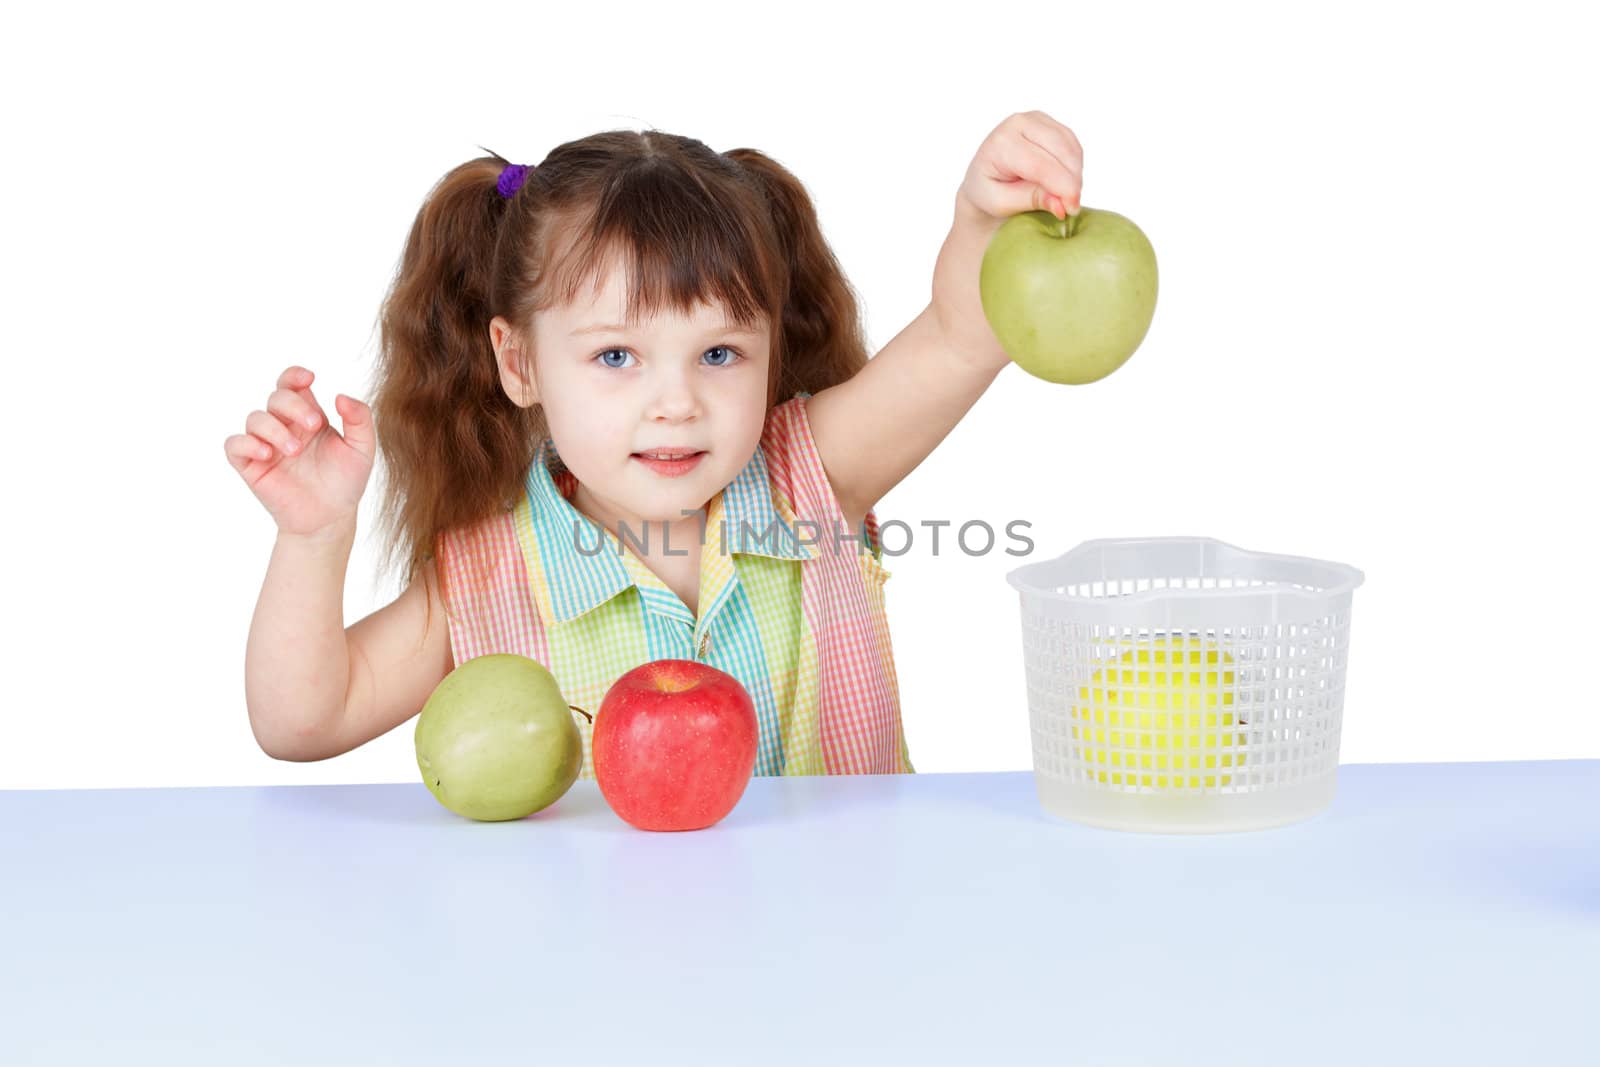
(823, 338)
(455, 447)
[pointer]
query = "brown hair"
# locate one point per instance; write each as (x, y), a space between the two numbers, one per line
(690, 224)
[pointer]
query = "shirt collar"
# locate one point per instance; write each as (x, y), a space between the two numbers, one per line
(754, 523)
(574, 566)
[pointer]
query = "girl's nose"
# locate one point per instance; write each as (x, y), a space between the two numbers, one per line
(675, 401)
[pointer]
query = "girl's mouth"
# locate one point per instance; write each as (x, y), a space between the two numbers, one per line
(670, 468)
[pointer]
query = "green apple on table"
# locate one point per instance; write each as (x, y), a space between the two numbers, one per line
(496, 740)
(1069, 299)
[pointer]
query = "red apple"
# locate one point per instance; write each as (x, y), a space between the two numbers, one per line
(674, 744)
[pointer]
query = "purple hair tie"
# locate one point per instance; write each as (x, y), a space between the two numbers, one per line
(511, 179)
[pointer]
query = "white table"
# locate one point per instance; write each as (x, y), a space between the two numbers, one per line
(1436, 914)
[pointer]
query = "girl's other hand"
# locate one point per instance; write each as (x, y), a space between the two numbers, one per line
(308, 476)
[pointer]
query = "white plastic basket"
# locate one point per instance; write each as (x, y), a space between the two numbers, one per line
(1183, 685)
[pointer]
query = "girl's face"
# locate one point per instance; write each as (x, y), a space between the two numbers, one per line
(611, 393)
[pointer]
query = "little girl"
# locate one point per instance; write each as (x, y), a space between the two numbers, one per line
(627, 414)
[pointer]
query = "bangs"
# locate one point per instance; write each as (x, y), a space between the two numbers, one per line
(678, 247)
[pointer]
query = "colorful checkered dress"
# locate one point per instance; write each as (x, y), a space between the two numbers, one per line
(795, 612)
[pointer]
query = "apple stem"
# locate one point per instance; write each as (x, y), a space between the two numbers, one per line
(1069, 225)
(580, 711)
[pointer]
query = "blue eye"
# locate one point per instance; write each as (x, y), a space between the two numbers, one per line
(732, 355)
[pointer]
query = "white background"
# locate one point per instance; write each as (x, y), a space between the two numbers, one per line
(1375, 341)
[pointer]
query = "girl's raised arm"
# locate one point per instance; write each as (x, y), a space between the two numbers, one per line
(312, 688)
(876, 428)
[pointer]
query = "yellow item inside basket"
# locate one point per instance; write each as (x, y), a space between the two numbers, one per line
(1159, 716)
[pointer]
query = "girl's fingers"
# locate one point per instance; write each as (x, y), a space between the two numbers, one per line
(1056, 162)
(358, 430)
(298, 408)
(271, 429)
(1061, 140)
(242, 449)
(1065, 168)
(1044, 178)
(295, 377)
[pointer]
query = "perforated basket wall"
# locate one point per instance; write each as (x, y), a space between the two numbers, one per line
(1182, 684)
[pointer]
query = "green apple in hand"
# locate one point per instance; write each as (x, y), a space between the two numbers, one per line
(496, 740)
(1069, 299)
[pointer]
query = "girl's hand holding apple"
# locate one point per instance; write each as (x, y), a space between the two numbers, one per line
(1029, 276)
(308, 476)
(1030, 162)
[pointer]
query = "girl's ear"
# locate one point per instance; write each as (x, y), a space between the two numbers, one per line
(510, 357)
